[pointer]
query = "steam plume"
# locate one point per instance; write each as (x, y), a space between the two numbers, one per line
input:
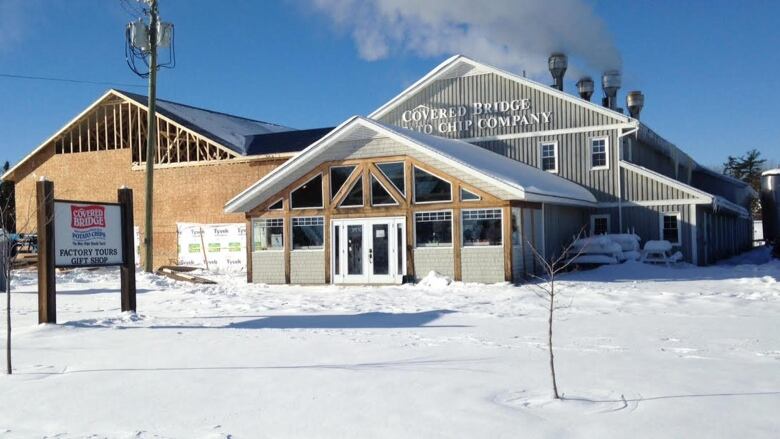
(513, 34)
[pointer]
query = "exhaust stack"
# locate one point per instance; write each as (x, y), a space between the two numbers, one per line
(610, 83)
(585, 87)
(558, 62)
(635, 101)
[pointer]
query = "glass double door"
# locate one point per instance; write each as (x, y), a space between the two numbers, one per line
(368, 250)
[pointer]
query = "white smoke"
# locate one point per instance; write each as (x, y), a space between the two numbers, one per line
(517, 35)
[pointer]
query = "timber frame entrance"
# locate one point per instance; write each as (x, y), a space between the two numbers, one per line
(334, 214)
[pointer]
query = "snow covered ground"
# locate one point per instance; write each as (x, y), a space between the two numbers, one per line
(643, 352)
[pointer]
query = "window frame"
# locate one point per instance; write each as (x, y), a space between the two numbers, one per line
(406, 183)
(330, 179)
(596, 216)
(452, 230)
(606, 153)
(678, 216)
(358, 182)
(463, 200)
(269, 208)
(265, 220)
(542, 144)
(371, 179)
(322, 202)
(463, 230)
(414, 189)
(292, 238)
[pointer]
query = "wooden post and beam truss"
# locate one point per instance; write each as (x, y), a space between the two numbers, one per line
(118, 123)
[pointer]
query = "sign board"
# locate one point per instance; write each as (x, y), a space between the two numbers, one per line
(87, 234)
(221, 247)
(476, 116)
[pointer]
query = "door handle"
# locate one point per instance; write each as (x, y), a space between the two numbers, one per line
(371, 255)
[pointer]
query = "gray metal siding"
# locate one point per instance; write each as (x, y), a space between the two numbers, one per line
(492, 88)
(723, 236)
(574, 161)
(645, 221)
(638, 187)
(645, 155)
(561, 225)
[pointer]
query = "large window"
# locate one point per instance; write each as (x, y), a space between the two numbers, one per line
(339, 176)
(433, 229)
(307, 233)
(395, 173)
(354, 197)
(308, 194)
(379, 195)
(598, 153)
(670, 227)
(429, 188)
(481, 227)
(549, 156)
(267, 234)
(599, 224)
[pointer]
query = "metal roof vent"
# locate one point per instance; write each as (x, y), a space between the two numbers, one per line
(635, 100)
(558, 62)
(610, 83)
(585, 87)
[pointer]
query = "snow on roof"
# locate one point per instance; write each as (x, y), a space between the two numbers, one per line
(524, 181)
(234, 132)
(775, 171)
(524, 177)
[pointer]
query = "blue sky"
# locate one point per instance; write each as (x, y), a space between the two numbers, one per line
(708, 68)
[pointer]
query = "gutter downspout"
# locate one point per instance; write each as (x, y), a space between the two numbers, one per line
(633, 128)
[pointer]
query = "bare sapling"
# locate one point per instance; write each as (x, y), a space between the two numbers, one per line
(546, 289)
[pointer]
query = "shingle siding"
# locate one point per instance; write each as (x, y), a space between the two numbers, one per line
(440, 260)
(268, 267)
(307, 267)
(482, 264)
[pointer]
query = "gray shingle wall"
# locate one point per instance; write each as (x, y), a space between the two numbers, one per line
(307, 267)
(482, 264)
(268, 267)
(440, 260)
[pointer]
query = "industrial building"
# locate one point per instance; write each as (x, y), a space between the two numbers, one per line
(467, 169)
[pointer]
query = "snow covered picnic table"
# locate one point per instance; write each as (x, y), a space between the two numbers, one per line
(660, 252)
(605, 249)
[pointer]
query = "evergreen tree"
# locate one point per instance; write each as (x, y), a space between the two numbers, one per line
(747, 168)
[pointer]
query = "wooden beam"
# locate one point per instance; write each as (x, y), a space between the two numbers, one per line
(457, 245)
(326, 223)
(398, 196)
(507, 242)
(409, 220)
(342, 193)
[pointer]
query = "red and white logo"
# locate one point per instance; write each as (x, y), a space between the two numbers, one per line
(87, 217)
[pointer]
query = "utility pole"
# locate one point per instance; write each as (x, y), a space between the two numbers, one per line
(143, 41)
(151, 136)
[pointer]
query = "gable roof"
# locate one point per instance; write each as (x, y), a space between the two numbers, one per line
(233, 132)
(522, 181)
(241, 135)
(460, 65)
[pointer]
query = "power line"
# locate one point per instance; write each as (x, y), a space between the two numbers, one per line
(72, 81)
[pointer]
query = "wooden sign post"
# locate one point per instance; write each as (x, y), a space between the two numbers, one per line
(47, 299)
(83, 234)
